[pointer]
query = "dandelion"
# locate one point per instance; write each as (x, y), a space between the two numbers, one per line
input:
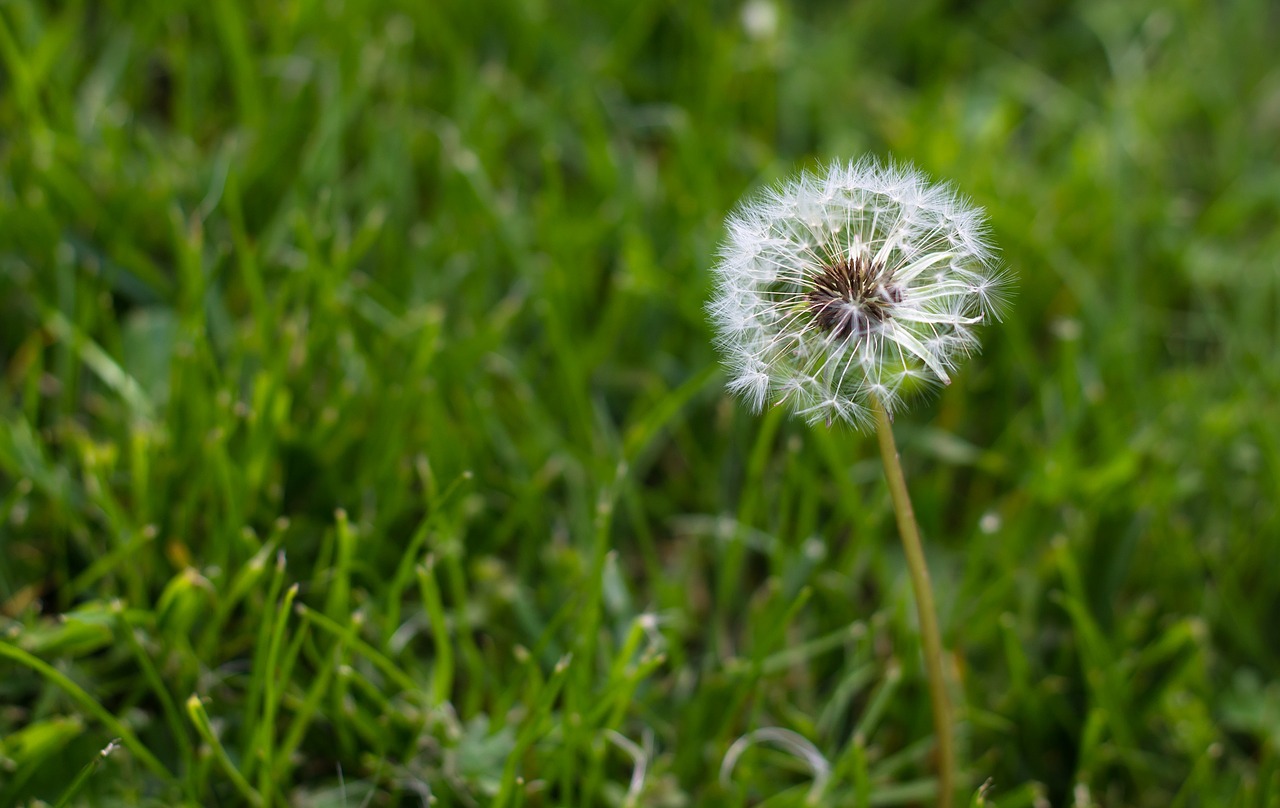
(840, 294)
(863, 283)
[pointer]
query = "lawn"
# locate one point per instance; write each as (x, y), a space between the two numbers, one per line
(362, 439)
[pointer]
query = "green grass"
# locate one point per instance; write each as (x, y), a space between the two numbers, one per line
(361, 437)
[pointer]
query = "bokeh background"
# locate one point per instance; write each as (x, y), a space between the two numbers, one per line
(361, 437)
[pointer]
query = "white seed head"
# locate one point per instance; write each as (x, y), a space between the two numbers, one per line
(863, 281)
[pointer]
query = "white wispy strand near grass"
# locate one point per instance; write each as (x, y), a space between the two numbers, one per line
(640, 759)
(862, 280)
(795, 744)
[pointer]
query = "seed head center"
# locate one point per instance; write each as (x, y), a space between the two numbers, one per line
(852, 297)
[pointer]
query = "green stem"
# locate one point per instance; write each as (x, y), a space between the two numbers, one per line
(923, 590)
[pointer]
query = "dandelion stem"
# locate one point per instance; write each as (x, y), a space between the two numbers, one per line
(910, 533)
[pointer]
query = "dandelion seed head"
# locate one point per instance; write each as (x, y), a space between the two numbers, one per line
(858, 283)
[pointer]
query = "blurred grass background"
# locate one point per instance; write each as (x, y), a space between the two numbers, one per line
(361, 441)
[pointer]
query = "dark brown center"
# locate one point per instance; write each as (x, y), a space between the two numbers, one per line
(850, 298)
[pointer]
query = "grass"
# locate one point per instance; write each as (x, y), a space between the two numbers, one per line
(361, 441)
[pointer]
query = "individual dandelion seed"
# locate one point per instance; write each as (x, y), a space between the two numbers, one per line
(863, 282)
